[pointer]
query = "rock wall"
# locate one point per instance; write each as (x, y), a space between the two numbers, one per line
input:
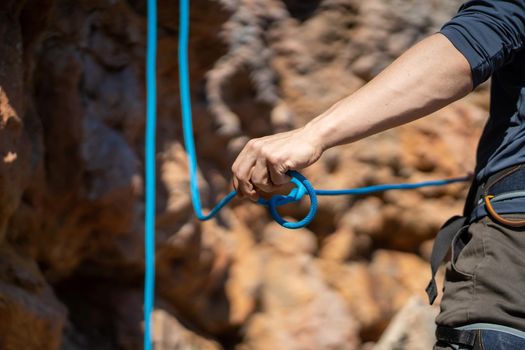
(71, 174)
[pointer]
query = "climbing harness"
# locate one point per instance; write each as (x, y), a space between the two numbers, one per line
(490, 209)
(491, 192)
(302, 185)
(503, 185)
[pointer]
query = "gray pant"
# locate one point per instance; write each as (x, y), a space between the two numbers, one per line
(485, 281)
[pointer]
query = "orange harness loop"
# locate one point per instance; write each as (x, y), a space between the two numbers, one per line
(499, 218)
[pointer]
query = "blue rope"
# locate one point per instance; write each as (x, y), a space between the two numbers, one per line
(149, 224)
(189, 141)
(303, 186)
(389, 187)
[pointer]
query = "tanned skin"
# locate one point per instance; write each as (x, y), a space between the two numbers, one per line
(426, 78)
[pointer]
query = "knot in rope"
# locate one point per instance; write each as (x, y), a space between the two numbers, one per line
(302, 187)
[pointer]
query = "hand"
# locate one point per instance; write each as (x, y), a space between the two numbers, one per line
(263, 163)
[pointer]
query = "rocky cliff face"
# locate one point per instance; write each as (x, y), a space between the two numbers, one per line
(71, 197)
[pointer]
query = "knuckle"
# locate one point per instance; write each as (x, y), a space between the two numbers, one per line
(266, 153)
(273, 159)
(289, 164)
(257, 145)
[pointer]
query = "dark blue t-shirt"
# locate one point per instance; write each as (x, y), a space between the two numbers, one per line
(491, 36)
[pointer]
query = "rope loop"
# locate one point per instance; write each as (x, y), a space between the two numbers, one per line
(302, 187)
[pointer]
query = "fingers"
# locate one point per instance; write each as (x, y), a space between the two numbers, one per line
(244, 187)
(278, 175)
(260, 177)
(242, 170)
(263, 163)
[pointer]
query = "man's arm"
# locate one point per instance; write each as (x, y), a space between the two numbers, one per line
(429, 76)
(480, 39)
(424, 79)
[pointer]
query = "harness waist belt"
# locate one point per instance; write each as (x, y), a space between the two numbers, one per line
(507, 181)
(456, 336)
(470, 336)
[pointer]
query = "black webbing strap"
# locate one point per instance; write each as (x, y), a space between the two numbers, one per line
(440, 249)
(456, 336)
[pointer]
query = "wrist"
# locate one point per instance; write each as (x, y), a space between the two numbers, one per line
(316, 134)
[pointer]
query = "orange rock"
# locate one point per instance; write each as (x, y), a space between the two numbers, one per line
(298, 309)
(374, 293)
(169, 333)
(300, 241)
(397, 276)
(356, 285)
(344, 245)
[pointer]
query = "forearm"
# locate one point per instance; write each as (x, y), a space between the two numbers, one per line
(426, 78)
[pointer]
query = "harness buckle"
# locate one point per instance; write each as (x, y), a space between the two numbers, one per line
(492, 212)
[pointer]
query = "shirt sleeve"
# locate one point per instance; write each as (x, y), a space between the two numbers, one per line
(488, 33)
